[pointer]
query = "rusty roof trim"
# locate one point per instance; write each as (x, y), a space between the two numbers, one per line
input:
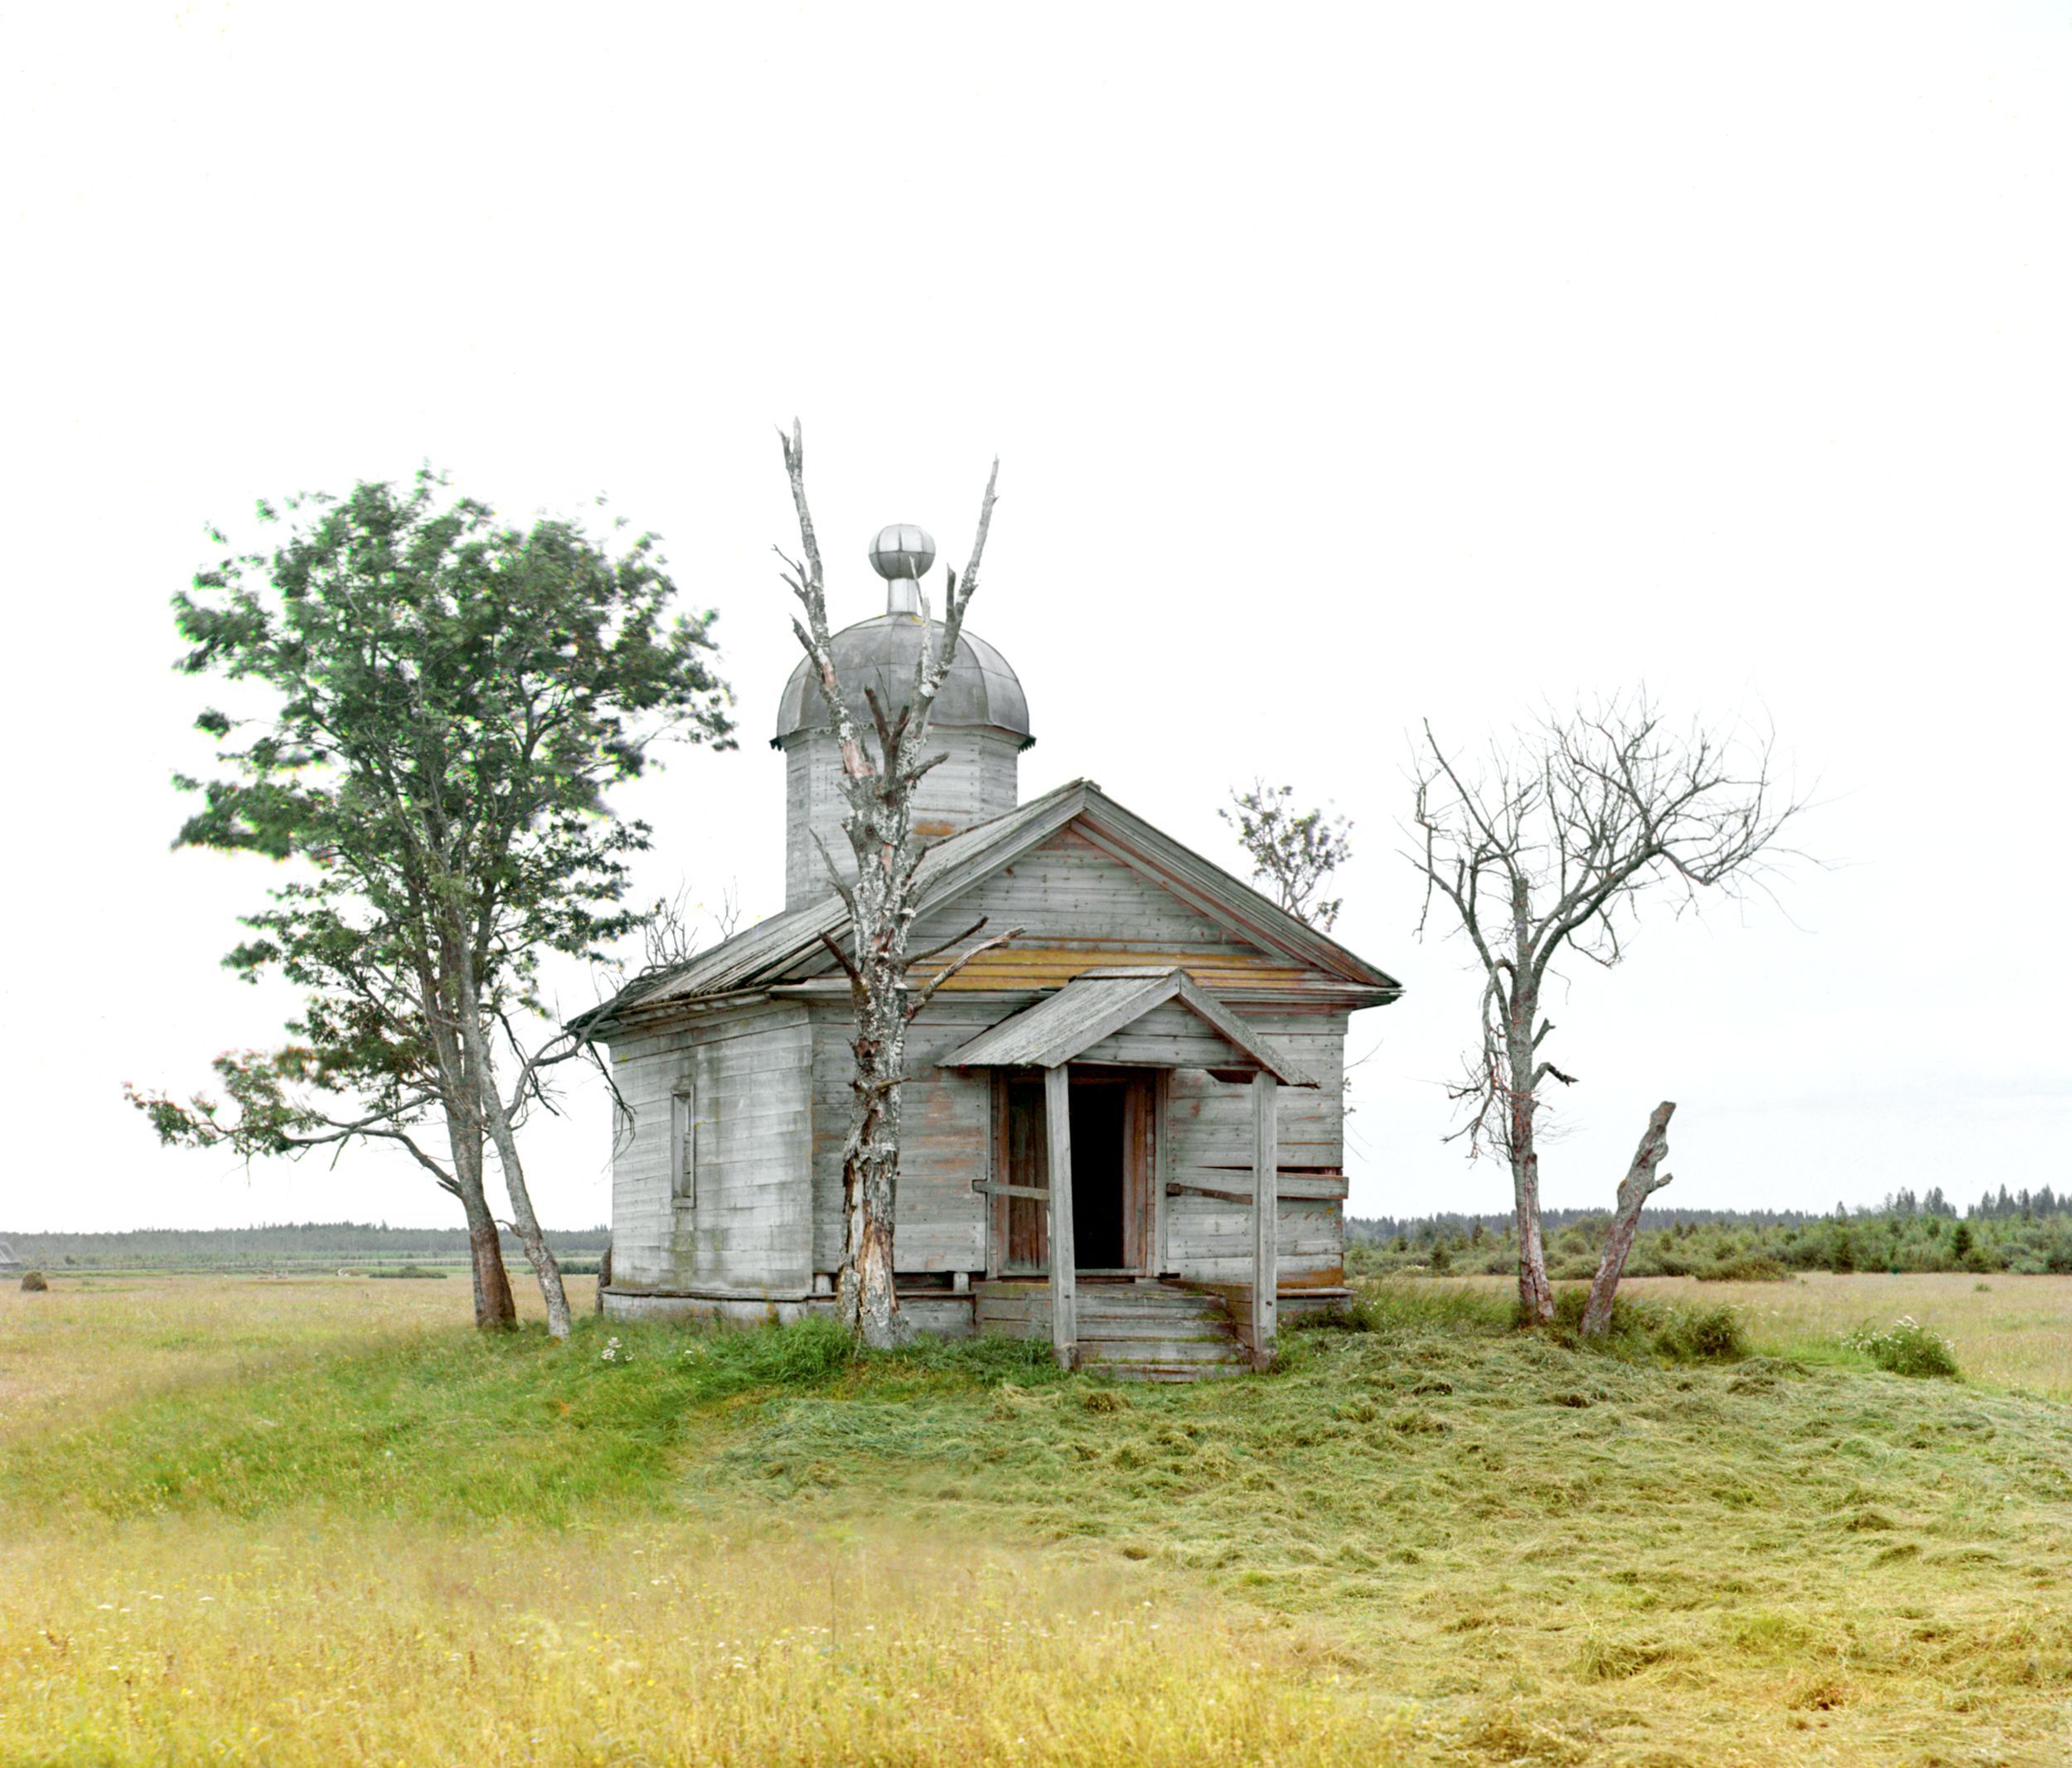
(1099, 1003)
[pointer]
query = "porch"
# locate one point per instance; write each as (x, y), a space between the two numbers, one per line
(1075, 1180)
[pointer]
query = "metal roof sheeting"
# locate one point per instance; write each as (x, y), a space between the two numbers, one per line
(1101, 1003)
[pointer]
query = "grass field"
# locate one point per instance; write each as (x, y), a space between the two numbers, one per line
(2011, 1332)
(311, 1522)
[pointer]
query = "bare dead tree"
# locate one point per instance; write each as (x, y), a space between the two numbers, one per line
(881, 767)
(1635, 1189)
(1293, 852)
(1547, 846)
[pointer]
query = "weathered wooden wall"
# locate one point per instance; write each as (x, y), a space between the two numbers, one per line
(976, 781)
(1208, 1144)
(751, 1231)
(946, 1120)
(948, 1128)
(1081, 907)
(781, 1075)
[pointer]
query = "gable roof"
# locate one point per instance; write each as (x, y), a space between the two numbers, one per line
(779, 950)
(1097, 1004)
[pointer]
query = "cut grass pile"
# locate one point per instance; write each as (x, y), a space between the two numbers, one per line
(1431, 1538)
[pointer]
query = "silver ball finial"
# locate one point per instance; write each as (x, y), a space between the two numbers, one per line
(901, 551)
(902, 555)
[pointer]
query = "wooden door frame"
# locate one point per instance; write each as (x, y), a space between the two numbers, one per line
(1143, 1171)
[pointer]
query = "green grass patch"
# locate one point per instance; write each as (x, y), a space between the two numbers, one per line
(469, 1425)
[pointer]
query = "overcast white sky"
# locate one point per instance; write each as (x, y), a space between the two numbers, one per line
(1348, 365)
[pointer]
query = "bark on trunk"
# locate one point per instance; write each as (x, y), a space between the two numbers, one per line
(497, 1122)
(1634, 1190)
(495, 1309)
(870, 1300)
(603, 1277)
(1536, 1295)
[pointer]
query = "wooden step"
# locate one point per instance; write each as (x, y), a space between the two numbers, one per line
(1158, 1350)
(1109, 1329)
(1153, 1332)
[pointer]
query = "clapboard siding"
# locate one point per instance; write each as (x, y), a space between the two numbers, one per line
(947, 1123)
(750, 1074)
(1209, 1144)
(1208, 1241)
(974, 782)
(1068, 887)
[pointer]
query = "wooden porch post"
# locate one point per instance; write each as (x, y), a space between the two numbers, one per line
(1265, 1210)
(1065, 1299)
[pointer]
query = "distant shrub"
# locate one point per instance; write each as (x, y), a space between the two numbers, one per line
(1907, 1348)
(406, 1270)
(34, 1282)
(1749, 1268)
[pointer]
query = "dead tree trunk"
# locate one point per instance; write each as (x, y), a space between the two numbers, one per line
(882, 904)
(1544, 849)
(1634, 1190)
(1536, 1295)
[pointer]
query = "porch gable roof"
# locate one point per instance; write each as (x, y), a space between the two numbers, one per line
(1097, 1005)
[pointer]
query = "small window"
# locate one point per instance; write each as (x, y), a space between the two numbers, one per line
(682, 1147)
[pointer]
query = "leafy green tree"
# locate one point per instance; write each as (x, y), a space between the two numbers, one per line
(1293, 852)
(448, 700)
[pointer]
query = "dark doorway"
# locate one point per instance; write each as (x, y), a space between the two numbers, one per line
(1111, 1161)
(1099, 1159)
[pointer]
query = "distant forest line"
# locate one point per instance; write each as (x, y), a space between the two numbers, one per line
(2004, 1205)
(2024, 1231)
(307, 1243)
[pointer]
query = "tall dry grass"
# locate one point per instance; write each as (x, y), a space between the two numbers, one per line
(98, 1342)
(318, 1640)
(2011, 1332)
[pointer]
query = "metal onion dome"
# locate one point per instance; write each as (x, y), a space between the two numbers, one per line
(980, 689)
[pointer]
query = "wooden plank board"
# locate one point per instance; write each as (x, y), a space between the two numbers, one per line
(1058, 1132)
(1266, 1238)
